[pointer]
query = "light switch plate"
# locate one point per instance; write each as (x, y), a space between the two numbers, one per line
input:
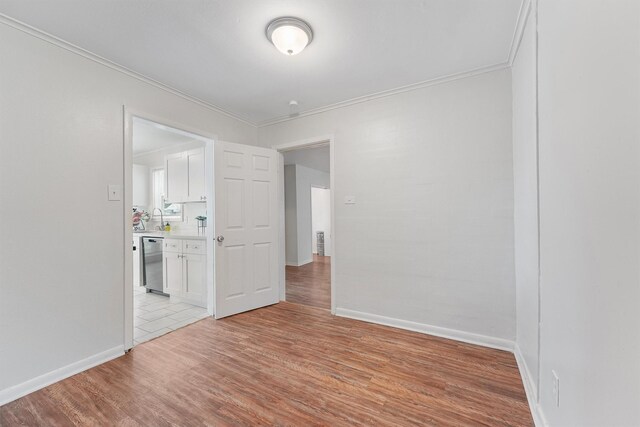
(115, 192)
(349, 200)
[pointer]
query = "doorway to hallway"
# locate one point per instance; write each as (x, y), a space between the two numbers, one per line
(307, 226)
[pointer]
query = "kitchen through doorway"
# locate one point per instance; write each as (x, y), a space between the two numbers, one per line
(169, 216)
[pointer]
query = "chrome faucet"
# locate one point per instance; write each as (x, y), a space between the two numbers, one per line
(161, 226)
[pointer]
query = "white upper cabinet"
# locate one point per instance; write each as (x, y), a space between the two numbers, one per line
(185, 176)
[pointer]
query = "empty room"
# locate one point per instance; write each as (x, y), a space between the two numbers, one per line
(337, 213)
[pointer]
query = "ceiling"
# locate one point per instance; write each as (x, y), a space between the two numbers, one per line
(315, 158)
(216, 50)
(149, 136)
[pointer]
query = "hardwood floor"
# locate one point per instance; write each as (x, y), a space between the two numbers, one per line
(287, 364)
(310, 284)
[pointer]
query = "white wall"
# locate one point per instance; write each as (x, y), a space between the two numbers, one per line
(525, 177)
(589, 145)
(61, 127)
(306, 178)
(321, 218)
(430, 239)
(141, 180)
(315, 158)
(290, 215)
(298, 223)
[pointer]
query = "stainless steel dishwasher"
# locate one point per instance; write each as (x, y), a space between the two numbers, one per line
(152, 270)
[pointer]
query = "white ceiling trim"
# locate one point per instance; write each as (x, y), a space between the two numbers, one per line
(49, 38)
(390, 92)
(525, 9)
(518, 32)
(521, 23)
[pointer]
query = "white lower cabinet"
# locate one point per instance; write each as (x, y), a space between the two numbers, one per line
(137, 264)
(195, 277)
(172, 278)
(185, 270)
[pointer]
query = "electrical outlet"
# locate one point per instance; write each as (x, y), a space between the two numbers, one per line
(556, 388)
(349, 200)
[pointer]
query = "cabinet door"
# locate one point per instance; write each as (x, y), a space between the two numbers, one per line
(172, 280)
(195, 162)
(194, 282)
(177, 176)
(137, 271)
(172, 245)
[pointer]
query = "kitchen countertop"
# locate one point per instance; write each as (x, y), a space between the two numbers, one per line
(170, 234)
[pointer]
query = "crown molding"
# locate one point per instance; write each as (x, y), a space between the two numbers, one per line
(525, 8)
(518, 32)
(390, 92)
(49, 38)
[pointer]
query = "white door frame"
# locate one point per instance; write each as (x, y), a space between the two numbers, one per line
(127, 227)
(290, 146)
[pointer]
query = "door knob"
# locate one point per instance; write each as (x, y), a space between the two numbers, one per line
(220, 239)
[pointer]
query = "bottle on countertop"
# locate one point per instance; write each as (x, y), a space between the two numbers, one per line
(167, 227)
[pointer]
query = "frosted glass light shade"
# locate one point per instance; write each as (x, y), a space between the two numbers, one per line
(289, 35)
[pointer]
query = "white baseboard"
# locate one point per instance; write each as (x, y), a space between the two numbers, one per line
(530, 388)
(15, 392)
(467, 337)
(300, 264)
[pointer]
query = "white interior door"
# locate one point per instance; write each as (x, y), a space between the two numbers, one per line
(246, 228)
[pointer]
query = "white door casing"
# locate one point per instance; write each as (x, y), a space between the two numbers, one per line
(246, 223)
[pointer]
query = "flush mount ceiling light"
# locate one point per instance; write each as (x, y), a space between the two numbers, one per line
(289, 35)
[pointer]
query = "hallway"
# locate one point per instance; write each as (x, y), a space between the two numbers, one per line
(310, 284)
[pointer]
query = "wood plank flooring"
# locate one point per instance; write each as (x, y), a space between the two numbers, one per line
(287, 364)
(310, 284)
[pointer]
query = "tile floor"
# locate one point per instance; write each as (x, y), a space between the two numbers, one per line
(155, 315)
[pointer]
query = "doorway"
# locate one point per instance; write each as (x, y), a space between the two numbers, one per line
(168, 197)
(307, 231)
(227, 187)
